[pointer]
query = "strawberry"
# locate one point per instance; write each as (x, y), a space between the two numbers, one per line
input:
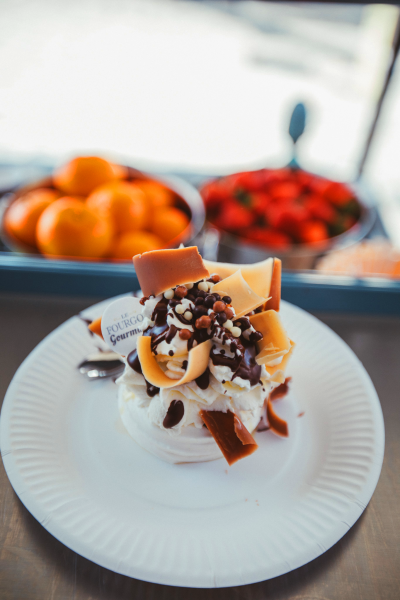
(313, 231)
(288, 189)
(268, 237)
(234, 217)
(338, 193)
(319, 208)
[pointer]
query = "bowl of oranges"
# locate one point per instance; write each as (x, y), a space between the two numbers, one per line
(285, 212)
(93, 209)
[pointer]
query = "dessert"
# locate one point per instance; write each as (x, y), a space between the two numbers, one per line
(198, 379)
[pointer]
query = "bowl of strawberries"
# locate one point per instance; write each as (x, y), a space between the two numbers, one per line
(287, 212)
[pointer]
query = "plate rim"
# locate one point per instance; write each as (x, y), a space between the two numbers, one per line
(354, 511)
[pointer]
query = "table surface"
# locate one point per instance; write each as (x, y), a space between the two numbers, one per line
(363, 565)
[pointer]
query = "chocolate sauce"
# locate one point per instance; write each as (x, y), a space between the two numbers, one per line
(204, 380)
(152, 390)
(134, 362)
(171, 334)
(243, 364)
(184, 365)
(174, 414)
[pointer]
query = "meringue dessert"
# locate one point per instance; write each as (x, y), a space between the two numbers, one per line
(212, 349)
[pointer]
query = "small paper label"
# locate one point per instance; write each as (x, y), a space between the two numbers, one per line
(121, 324)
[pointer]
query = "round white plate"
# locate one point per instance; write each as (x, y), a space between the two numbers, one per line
(79, 473)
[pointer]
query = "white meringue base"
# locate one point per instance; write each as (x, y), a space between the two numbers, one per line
(191, 445)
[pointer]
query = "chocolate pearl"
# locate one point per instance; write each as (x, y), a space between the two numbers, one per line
(222, 318)
(215, 278)
(181, 291)
(143, 300)
(216, 296)
(229, 313)
(256, 336)
(190, 297)
(203, 322)
(185, 334)
(173, 303)
(201, 294)
(199, 301)
(227, 299)
(219, 306)
(209, 301)
(199, 311)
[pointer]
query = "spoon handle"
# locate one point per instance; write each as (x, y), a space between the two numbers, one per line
(296, 129)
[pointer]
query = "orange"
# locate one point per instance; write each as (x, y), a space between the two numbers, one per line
(81, 175)
(156, 194)
(68, 227)
(168, 223)
(122, 203)
(129, 244)
(21, 218)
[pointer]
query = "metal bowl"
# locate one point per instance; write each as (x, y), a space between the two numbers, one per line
(235, 249)
(188, 200)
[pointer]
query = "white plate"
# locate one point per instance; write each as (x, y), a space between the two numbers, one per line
(79, 473)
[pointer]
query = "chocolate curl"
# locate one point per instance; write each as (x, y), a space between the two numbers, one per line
(232, 437)
(95, 327)
(277, 425)
(273, 303)
(160, 270)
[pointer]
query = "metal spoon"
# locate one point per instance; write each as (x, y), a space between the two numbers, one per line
(101, 365)
(296, 129)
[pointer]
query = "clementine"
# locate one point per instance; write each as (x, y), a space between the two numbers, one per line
(168, 223)
(81, 175)
(68, 227)
(21, 218)
(122, 203)
(157, 195)
(136, 242)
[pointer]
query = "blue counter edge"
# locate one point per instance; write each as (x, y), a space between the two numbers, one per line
(311, 291)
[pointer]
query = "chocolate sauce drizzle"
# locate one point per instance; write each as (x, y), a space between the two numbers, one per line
(204, 380)
(174, 415)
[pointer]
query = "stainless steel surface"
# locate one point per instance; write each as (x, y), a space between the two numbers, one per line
(363, 565)
(94, 371)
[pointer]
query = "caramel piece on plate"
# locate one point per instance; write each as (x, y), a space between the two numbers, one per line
(275, 342)
(232, 437)
(281, 390)
(160, 270)
(257, 275)
(95, 327)
(273, 303)
(197, 364)
(244, 298)
(278, 425)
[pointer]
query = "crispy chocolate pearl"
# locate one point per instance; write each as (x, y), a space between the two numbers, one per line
(219, 306)
(171, 352)
(209, 301)
(190, 297)
(222, 318)
(229, 313)
(173, 303)
(201, 294)
(181, 291)
(227, 299)
(143, 300)
(217, 296)
(199, 301)
(215, 278)
(185, 334)
(203, 322)
(199, 311)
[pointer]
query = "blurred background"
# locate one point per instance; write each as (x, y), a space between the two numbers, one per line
(205, 89)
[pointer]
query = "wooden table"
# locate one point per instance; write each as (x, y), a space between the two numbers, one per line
(364, 565)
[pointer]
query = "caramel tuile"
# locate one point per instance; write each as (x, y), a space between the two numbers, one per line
(244, 299)
(197, 364)
(160, 270)
(275, 342)
(257, 275)
(232, 437)
(273, 303)
(277, 372)
(277, 425)
(95, 327)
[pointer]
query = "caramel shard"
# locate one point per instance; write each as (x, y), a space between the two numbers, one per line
(160, 270)
(232, 437)
(281, 390)
(258, 275)
(275, 342)
(273, 303)
(197, 364)
(244, 299)
(95, 327)
(278, 425)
